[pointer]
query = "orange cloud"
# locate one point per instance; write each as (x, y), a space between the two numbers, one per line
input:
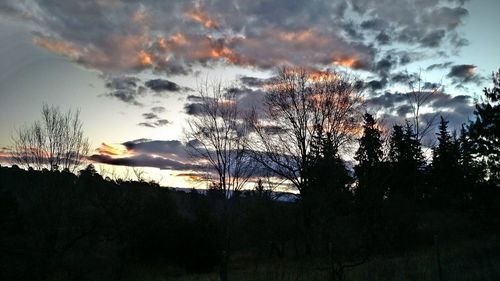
(112, 150)
(322, 76)
(145, 58)
(193, 177)
(226, 54)
(57, 46)
(300, 36)
(201, 17)
(346, 62)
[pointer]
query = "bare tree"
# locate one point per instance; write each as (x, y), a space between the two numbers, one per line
(301, 106)
(55, 142)
(218, 135)
(420, 94)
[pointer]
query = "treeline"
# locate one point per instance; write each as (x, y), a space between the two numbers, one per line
(56, 225)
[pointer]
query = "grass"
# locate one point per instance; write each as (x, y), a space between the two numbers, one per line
(471, 260)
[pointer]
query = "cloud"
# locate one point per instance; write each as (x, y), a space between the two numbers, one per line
(158, 109)
(246, 98)
(162, 154)
(144, 161)
(146, 124)
(464, 73)
(149, 116)
(152, 120)
(124, 88)
(193, 108)
(147, 153)
(162, 85)
(129, 88)
(383, 38)
(443, 65)
(174, 37)
(433, 39)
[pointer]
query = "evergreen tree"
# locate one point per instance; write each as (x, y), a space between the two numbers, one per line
(407, 161)
(406, 168)
(369, 168)
(369, 152)
(485, 130)
(372, 177)
(472, 168)
(446, 172)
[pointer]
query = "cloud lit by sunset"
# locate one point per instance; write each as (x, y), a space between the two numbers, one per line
(143, 62)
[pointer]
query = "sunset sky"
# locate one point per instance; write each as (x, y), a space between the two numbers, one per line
(133, 67)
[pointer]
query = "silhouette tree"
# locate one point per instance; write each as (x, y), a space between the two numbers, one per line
(446, 173)
(485, 130)
(301, 103)
(219, 136)
(407, 160)
(419, 95)
(57, 142)
(473, 169)
(372, 176)
(369, 168)
(406, 168)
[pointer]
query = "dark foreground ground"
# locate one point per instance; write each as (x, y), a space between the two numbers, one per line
(59, 226)
(460, 260)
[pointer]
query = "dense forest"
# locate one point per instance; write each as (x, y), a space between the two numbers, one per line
(403, 211)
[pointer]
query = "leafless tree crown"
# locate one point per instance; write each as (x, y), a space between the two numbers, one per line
(218, 137)
(56, 142)
(302, 105)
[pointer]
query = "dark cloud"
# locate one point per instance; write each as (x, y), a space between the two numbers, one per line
(464, 73)
(146, 124)
(404, 109)
(375, 24)
(124, 88)
(152, 120)
(443, 65)
(377, 84)
(405, 59)
(162, 122)
(149, 116)
(151, 153)
(159, 147)
(433, 39)
(162, 85)
(385, 65)
(383, 38)
(171, 154)
(430, 86)
(193, 108)
(386, 100)
(250, 81)
(158, 109)
(142, 160)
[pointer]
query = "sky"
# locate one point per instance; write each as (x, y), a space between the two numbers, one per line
(133, 67)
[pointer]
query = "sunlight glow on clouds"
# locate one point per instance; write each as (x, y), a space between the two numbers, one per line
(150, 54)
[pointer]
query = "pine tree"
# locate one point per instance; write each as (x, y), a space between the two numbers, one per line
(369, 152)
(446, 172)
(369, 168)
(372, 179)
(485, 130)
(407, 161)
(406, 169)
